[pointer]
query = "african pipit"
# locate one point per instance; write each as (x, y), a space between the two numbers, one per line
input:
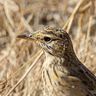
(62, 74)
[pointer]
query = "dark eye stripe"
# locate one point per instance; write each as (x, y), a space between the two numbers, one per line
(55, 39)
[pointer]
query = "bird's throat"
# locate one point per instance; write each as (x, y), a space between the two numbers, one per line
(52, 60)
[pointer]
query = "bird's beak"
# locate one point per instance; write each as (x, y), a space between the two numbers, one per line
(27, 37)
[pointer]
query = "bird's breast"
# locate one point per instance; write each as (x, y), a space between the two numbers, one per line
(57, 82)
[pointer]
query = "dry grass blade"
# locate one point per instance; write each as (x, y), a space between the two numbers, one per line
(80, 25)
(23, 16)
(22, 67)
(74, 12)
(90, 22)
(70, 23)
(10, 6)
(88, 33)
(38, 57)
(26, 24)
(85, 7)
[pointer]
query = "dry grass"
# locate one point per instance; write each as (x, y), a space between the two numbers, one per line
(26, 16)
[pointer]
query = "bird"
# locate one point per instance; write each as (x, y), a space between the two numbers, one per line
(63, 74)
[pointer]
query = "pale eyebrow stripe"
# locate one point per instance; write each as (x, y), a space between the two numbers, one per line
(50, 33)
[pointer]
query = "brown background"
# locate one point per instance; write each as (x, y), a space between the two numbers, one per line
(26, 16)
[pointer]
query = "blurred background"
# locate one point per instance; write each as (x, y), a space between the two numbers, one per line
(26, 16)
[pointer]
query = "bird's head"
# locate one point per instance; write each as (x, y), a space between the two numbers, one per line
(55, 41)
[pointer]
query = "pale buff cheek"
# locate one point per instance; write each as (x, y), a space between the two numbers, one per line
(55, 47)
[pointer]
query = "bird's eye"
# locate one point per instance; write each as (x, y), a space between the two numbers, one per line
(47, 39)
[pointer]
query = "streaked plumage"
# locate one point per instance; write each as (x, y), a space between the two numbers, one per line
(62, 74)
